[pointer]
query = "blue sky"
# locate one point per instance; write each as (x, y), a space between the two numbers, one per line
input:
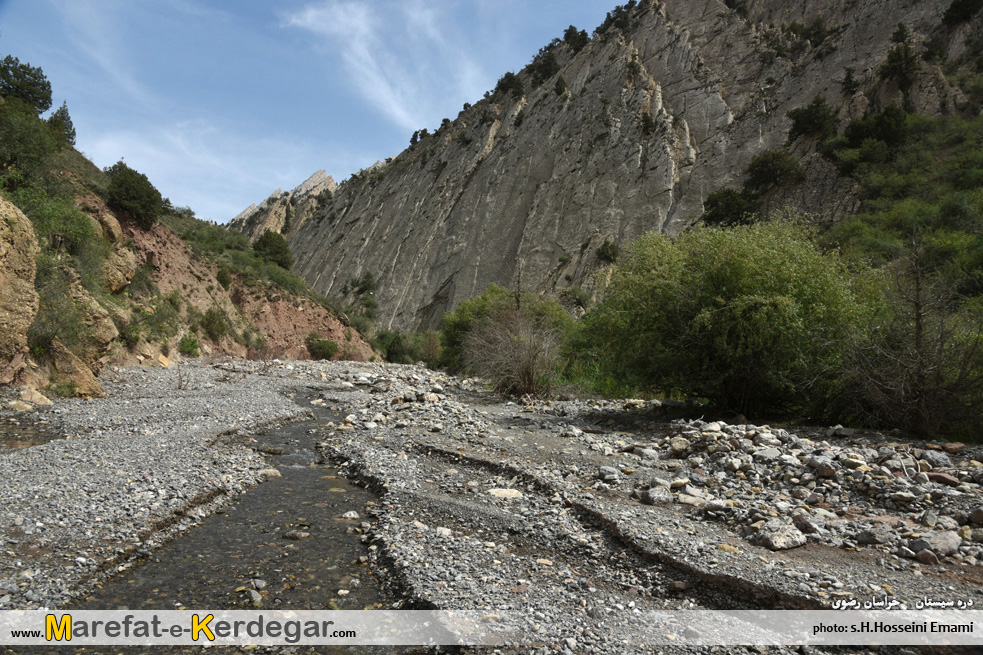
(220, 103)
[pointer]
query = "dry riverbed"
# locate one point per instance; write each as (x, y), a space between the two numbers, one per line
(583, 515)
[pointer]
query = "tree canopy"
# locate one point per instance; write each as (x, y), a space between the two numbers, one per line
(132, 193)
(25, 82)
(273, 248)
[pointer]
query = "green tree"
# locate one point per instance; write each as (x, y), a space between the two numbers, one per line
(726, 207)
(60, 124)
(961, 10)
(753, 318)
(132, 193)
(817, 118)
(901, 66)
(25, 82)
(320, 348)
(772, 168)
(510, 84)
(25, 142)
(272, 247)
(577, 40)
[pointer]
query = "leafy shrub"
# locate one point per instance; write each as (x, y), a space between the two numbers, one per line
(543, 67)
(961, 10)
(815, 119)
(608, 251)
(752, 318)
(772, 168)
(901, 66)
(726, 207)
(491, 306)
(320, 348)
(132, 193)
(61, 127)
(560, 87)
(214, 323)
(576, 40)
(224, 277)
(519, 353)
(59, 316)
(272, 247)
(25, 142)
(189, 346)
(510, 84)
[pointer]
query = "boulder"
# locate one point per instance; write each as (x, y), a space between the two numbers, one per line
(776, 534)
(120, 267)
(940, 543)
(18, 300)
(70, 370)
(657, 496)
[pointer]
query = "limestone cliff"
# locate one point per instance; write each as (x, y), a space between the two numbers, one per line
(285, 209)
(18, 299)
(655, 113)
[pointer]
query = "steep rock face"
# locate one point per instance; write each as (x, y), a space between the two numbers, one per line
(18, 299)
(656, 116)
(284, 209)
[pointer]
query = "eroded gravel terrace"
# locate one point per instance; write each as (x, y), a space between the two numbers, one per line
(581, 515)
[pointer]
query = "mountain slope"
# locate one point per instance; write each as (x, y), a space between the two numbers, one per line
(669, 102)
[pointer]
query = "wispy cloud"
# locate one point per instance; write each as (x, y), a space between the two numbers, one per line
(94, 32)
(211, 167)
(398, 55)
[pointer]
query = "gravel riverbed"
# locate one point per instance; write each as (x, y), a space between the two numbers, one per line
(582, 515)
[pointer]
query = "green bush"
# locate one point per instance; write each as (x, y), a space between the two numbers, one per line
(961, 10)
(320, 348)
(608, 251)
(26, 142)
(490, 306)
(577, 40)
(272, 247)
(815, 119)
(510, 84)
(215, 324)
(59, 316)
(772, 168)
(727, 207)
(751, 318)
(189, 346)
(132, 193)
(224, 277)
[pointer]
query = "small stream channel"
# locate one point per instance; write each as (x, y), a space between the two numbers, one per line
(240, 559)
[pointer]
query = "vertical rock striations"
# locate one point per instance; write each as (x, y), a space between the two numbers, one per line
(651, 117)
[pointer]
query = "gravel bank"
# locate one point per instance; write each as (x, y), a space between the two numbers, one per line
(166, 447)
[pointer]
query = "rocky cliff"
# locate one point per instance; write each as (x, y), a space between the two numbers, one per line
(629, 134)
(18, 299)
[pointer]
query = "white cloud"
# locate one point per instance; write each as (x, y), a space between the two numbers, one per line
(209, 168)
(404, 58)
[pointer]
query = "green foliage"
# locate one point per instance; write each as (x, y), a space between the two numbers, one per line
(492, 305)
(620, 18)
(750, 318)
(849, 85)
(272, 247)
(727, 207)
(815, 119)
(60, 124)
(772, 168)
(320, 348)
(189, 346)
(608, 251)
(25, 143)
(224, 277)
(543, 67)
(901, 34)
(408, 348)
(577, 40)
(510, 84)
(59, 316)
(25, 82)
(739, 6)
(214, 323)
(901, 66)
(961, 10)
(132, 193)
(560, 87)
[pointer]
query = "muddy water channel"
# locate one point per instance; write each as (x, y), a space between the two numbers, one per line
(281, 545)
(17, 432)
